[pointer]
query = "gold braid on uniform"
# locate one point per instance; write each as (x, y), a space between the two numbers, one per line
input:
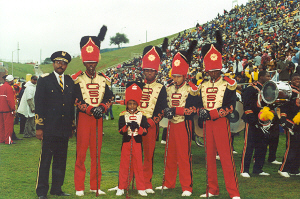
(190, 110)
(38, 120)
(82, 107)
(158, 118)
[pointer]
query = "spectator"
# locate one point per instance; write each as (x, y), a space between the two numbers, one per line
(283, 69)
(7, 110)
(27, 107)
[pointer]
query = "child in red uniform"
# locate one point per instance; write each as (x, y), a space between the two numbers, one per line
(132, 125)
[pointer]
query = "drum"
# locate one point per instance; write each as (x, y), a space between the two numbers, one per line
(198, 130)
(235, 118)
(276, 92)
(164, 123)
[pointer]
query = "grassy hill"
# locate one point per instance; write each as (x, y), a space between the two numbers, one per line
(20, 70)
(108, 58)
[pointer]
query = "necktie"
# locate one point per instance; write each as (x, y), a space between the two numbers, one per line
(61, 84)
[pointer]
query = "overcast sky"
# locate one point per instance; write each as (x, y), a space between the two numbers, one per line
(49, 26)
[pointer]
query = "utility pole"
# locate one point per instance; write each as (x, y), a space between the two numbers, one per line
(18, 52)
(40, 56)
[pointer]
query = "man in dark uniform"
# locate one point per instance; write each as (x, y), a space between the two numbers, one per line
(55, 97)
(290, 122)
(255, 138)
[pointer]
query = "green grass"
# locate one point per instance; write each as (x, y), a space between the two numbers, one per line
(19, 163)
(20, 70)
(107, 59)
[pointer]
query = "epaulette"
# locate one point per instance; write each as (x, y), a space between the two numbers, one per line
(172, 83)
(231, 83)
(75, 76)
(193, 89)
(122, 113)
(45, 75)
(108, 80)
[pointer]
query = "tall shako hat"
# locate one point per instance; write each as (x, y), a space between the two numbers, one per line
(212, 54)
(61, 56)
(90, 46)
(182, 59)
(133, 92)
(152, 56)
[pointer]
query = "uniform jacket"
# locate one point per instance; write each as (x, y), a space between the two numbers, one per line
(218, 97)
(153, 101)
(251, 104)
(7, 99)
(184, 100)
(95, 91)
(138, 117)
(55, 109)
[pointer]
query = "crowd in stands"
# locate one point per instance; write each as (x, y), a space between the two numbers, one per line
(261, 35)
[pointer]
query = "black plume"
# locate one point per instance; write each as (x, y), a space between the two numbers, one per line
(219, 38)
(190, 51)
(164, 45)
(102, 33)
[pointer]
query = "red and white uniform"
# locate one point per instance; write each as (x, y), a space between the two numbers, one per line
(95, 92)
(219, 98)
(180, 135)
(152, 104)
(131, 153)
(7, 108)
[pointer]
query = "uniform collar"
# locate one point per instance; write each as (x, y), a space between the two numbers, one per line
(146, 82)
(216, 79)
(90, 75)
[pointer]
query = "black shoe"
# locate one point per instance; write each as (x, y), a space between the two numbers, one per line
(60, 194)
(112, 118)
(42, 197)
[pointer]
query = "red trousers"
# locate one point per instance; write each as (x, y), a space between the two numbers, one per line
(148, 149)
(6, 127)
(217, 137)
(135, 162)
(179, 153)
(86, 137)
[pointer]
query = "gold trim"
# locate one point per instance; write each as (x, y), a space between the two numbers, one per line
(38, 120)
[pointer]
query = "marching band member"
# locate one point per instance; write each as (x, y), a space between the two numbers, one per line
(182, 102)
(96, 93)
(132, 125)
(255, 137)
(218, 98)
(152, 103)
(290, 119)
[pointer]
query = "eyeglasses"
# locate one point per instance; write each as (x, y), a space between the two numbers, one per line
(61, 63)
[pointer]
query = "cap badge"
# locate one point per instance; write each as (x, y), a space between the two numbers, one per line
(213, 57)
(63, 53)
(134, 87)
(151, 57)
(177, 62)
(89, 49)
